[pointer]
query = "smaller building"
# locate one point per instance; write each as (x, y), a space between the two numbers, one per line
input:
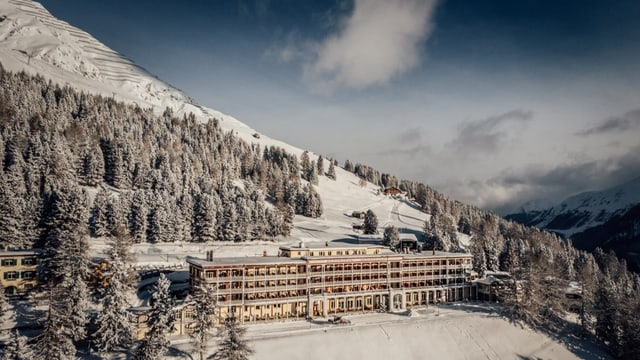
(409, 242)
(18, 270)
(493, 286)
(392, 191)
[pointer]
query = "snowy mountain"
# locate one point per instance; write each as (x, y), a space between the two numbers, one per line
(583, 211)
(609, 219)
(34, 41)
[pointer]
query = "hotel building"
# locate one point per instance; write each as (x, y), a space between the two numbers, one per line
(317, 281)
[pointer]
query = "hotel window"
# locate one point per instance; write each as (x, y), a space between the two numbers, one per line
(11, 275)
(29, 261)
(9, 262)
(28, 275)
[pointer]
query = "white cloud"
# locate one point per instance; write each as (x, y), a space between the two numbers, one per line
(379, 40)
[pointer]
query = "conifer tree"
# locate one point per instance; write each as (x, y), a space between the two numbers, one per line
(320, 165)
(331, 173)
(11, 210)
(233, 345)
(305, 165)
(55, 342)
(17, 348)
(313, 173)
(161, 320)
(4, 304)
(204, 308)
(391, 236)
(138, 217)
(99, 220)
(66, 260)
(370, 223)
(113, 323)
(204, 219)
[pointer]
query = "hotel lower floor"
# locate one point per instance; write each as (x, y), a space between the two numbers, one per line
(329, 304)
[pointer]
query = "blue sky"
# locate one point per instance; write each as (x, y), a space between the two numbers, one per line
(492, 102)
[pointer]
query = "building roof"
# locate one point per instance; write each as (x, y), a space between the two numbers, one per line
(247, 260)
(283, 260)
(7, 253)
(407, 237)
(332, 245)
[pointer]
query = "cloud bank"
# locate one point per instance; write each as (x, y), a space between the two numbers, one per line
(487, 135)
(625, 122)
(378, 41)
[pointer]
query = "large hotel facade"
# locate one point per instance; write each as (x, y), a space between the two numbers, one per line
(318, 281)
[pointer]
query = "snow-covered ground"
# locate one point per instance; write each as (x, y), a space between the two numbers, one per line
(461, 331)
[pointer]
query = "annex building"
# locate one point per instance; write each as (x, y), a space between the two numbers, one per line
(318, 281)
(18, 270)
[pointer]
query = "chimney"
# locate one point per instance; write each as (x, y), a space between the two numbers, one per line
(209, 255)
(264, 253)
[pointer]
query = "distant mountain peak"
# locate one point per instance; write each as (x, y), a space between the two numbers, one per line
(582, 211)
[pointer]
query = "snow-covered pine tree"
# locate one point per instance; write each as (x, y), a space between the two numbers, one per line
(65, 262)
(17, 347)
(305, 165)
(160, 321)
(320, 165)
(138, 217)
(55, 341)
(391, 236)
(99, 221)
(4, 304)
(11, 208)
(204, 308)
(313, 173)
(233, 345)
(348, 166)
(158, 220)
(92, 167)
(331, 173)
(370, 223)
(204, 219)
(229, 228)
(114, 329)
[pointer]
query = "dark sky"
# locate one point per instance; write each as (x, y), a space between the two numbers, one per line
(458, 94)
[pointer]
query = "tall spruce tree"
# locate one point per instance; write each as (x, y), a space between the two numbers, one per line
(331, 173)
(204, 309)
(370, 222)
(233, 345)
(66, 267)
(391, 236)
(114, 328)
(160, 321)
(17, 347)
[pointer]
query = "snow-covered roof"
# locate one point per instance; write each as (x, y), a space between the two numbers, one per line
(7, 253)
(241, 261)
(408, 237)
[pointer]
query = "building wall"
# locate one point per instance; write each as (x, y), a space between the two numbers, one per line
(18, 271)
